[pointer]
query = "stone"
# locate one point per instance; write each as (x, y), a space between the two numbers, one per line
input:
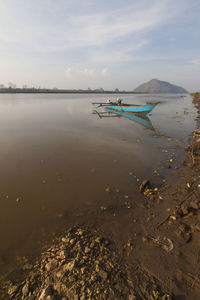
(51, 265)
(25, 289)
(92, 245)
(50, 297)
(72, 241)
(184, 208)
(103, 274)
(186, 236)
(97, 268)
(145, 184)
(62, 254)
(97, 240)
(87, 250)
(69, 266)
(79, 231)
(60, 274)
(131, 297)
(45, 293)
(194, 205)
(65, 240)
(12, 290)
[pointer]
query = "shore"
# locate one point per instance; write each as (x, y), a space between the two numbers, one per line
(154, 255)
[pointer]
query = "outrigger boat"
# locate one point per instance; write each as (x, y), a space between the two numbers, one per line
(129, 108)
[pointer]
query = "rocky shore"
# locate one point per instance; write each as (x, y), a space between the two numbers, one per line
(80, 265)
(155, 255)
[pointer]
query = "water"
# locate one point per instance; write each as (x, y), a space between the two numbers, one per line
(59, 160)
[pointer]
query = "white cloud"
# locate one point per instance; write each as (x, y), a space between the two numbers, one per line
(68, 72)
(77, 29)
(85, 72)
(196, 61)
(104, 72)
(88, 72)
(123, 55)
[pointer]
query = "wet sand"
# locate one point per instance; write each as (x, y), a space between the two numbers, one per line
(156, 238)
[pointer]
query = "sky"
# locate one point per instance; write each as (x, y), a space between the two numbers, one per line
(105, 44)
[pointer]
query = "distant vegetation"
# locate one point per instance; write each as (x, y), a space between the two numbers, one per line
(15, 90)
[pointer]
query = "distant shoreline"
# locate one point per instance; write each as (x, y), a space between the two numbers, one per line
(54, 91)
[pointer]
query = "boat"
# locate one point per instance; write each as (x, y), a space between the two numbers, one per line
(130, 108)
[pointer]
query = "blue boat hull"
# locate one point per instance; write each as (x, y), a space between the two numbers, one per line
(132, 108)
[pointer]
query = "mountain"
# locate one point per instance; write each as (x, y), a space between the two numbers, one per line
(155, 86)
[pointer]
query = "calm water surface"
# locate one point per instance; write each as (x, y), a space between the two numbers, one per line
(57, 158)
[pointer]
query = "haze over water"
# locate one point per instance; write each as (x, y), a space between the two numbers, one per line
(58, 160)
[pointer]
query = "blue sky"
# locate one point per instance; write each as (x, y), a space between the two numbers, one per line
(93, 43)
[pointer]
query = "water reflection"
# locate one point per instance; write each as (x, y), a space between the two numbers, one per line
(139, 118)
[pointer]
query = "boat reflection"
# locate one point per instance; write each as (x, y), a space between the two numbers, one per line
(139, 118)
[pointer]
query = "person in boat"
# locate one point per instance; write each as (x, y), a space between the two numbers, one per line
(108, 101)
(119, 101)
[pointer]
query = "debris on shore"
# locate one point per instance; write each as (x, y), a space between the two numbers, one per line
(81, 265)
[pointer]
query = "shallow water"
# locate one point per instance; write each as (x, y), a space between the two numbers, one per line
(59, 159)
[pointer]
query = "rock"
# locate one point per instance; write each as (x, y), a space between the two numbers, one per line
(92, 245)
(79, 231)
(194, 205)
(13, 289)
(87, 250)
(145, 184)
(184, 208)
(97, 268)
(72, 241)
(103, 274)
(166, 297)
(167, 244)
(25, 289)
(27, 267)
(45, 293)
(182, 228)
(65, 240)
(60, 274)
(186, 236)
(62, 254)
(51, 265)
(97, 240)
(50, 297)
(197, 227)
(69, 266)
(131, 297)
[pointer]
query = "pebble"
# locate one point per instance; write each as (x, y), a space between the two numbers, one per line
(69, 266)
(65, 240)
(87, 250)
(184, 209)
(52, 264)
(62, 254)
(103, 274)
(13, 289)
(25, 289)
(194, 205)
(45, 293)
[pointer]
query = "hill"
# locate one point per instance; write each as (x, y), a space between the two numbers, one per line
(155, 86)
